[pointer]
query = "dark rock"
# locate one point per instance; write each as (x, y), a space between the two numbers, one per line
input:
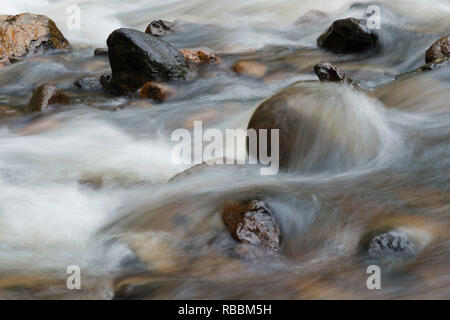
(89, 83)
(101, 52)
(137, 58)
(28, 34)
(328, 72)
(199, 56)
(105, 81)
(46, 95)
(439, 49)
(348, 36)
(156, 91)
(252, 223)
(394, 241)
(160, 28)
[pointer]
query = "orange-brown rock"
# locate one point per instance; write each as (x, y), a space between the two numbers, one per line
(439, 49)
(46, 95)
(252, 223)
(156, 91)
(5, 110)
(199, 56)
(250, 68)
(28, 34)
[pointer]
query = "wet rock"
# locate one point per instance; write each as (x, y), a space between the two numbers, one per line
(156, 91)
(137, 58)
(252, 223)
(403, 235)
(101, 52)
(328, 72)
(348, 36)
(40, 125)
(46, 95)
(439, 49)
(318, 129)
(199, 56)
(159, 28)
(250, 68)
(390, 242)
(89, 83)
(105, 81)
(28, 34)
(312, 16)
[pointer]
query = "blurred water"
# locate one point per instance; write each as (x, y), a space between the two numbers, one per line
(88, 186)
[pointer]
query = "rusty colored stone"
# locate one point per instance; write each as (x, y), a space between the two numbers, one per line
(199, 56)
(250, 68)
(28, 34)
(439, 49)
(155, 91)
(46, 95)
(252, 223)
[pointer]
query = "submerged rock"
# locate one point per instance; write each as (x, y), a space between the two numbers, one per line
(28, 34)
(137, 58)
(156, 91)
(88, 83)
(252, 223)
(434, 65)
(8, 111)
(46, 95)
(348, 36)
(159, 28)
(199, 56)
(101, 52)
(390, 242)
(439, 49)
(328, 72)
(312, 16)
(250, 68)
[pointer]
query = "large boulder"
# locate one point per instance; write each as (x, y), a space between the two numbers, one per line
(136, 58)
(348, 36)
(322, 126)
(28, 34)
(439, 49)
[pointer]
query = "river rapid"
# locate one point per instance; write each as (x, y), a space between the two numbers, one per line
(88, 184)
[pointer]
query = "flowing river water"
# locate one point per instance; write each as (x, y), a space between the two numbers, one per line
(88, 184)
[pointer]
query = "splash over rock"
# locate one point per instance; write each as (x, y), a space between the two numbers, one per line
(348, 36)
(28, 34)
(252, 223)
(136, 58)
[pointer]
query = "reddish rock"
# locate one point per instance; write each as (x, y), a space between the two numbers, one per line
(46, 95)
(250, 68)
(439, 49)
(252, 223)
(28, 34)
(156, 91)
(5, 110)
(160, 28)
(199, 56)
(105, 81)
